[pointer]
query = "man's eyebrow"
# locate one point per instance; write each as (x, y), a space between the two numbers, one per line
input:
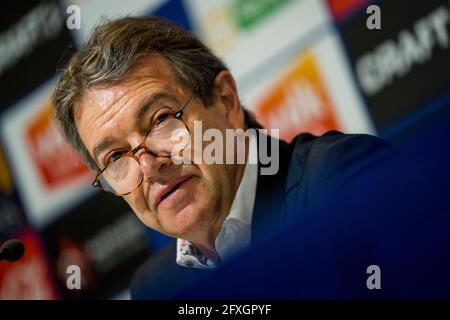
(106, 143)
(153, 101)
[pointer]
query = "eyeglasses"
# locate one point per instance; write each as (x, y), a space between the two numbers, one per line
(168, 136)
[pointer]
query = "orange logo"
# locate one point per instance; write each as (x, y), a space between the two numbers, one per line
(56, 161)
(298, 102)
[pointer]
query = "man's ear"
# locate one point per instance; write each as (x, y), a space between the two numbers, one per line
(226, 94)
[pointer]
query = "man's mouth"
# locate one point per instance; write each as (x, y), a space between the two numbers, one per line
(169, 189)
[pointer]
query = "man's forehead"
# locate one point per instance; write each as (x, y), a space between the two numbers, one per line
(102, 98)
(152, 67)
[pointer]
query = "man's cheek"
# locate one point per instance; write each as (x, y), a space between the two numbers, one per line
(137, 202)
(144, 214)
(206, 189)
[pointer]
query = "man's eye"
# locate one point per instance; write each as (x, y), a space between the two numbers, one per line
(114, 156)
(161, 117)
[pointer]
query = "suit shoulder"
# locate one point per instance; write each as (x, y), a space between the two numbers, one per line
(334, 144)
(336, 151)
(320, 165)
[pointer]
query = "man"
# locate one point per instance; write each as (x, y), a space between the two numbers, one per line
(136, 82)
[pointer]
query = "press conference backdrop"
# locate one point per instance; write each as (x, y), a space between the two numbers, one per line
(300, 65)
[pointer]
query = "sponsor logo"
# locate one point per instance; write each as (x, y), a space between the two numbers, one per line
(402, 68)
(249, 13)
(56, 161)
(395, 58)
(299, 101)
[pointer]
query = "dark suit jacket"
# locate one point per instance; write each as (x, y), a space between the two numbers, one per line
(312, 169)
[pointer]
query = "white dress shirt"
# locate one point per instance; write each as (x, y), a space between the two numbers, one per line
(235, 232)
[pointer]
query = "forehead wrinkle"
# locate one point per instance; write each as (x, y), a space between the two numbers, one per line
(114, 108)
(117, 108)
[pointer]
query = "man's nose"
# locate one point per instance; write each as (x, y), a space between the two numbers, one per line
(151, 164)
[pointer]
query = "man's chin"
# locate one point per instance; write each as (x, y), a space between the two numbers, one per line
(181, 223)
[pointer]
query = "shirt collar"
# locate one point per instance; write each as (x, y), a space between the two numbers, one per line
(235, 232)
(244, 200)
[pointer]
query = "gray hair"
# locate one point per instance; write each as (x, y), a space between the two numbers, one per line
(114, 48)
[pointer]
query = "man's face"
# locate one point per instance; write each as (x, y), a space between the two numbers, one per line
(120, 115)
